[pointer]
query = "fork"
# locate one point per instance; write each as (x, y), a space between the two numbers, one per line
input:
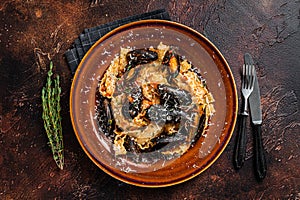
(94, 3)
(248, 77)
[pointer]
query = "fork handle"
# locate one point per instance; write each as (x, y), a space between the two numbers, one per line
(240, 147)
(259, 154)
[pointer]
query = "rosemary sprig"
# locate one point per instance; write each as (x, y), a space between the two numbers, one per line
(51, 116)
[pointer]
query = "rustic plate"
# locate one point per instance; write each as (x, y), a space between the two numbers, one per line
(197, 49)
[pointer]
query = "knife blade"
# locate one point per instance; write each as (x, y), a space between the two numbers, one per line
(256, 119)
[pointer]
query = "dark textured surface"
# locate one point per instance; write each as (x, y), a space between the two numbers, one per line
(32, 32)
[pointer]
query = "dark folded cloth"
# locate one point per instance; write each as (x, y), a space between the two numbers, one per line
(90, 35)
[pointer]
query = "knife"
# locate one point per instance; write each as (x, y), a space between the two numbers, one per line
(256, 119)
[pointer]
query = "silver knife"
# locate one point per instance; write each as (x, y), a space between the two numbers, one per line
(256, 119)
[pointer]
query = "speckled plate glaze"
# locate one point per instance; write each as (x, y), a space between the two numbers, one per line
(195, 48)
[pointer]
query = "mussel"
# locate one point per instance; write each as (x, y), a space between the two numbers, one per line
(161, 114)
(135, 101)
(200, 128)
(140, 56)
(173, 61)
(183, 97)
(104, 115)
(132, 104)
(157, 114)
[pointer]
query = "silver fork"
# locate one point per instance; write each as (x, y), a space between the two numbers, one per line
(94, 3)
(248, 76)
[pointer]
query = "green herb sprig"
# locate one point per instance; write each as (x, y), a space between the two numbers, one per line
(51, 116)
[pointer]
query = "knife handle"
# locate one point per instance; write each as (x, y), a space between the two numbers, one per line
(240, 147)
(259, 154)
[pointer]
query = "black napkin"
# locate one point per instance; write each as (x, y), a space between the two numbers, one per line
(90, 35)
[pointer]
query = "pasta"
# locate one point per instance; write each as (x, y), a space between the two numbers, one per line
(153, 100)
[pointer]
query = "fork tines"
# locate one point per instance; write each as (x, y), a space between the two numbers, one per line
(248, 76)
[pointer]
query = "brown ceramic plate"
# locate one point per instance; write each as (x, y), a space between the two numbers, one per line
(197, 49)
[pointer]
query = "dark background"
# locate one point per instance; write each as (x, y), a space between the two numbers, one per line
(34, 32)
